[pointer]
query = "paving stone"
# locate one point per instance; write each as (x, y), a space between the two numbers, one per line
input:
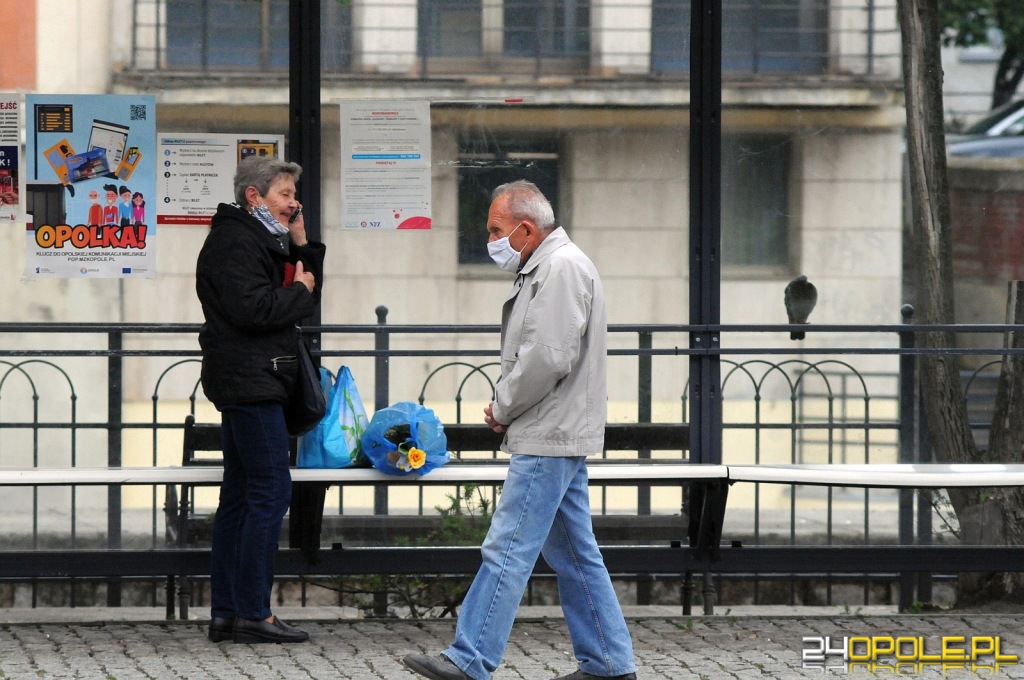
(741, 647)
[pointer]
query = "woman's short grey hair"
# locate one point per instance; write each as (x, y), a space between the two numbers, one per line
(526, 201)
(260, 172)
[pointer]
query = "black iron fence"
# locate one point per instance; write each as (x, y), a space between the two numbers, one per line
(116, 395)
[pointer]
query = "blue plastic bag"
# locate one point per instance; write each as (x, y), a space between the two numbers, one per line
(395, 434)
(336, 441)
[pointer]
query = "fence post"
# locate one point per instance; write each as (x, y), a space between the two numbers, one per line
(115, 394)
(643, 415)
(907, 403)
(705, 242)
(381, 343)
(382, 378)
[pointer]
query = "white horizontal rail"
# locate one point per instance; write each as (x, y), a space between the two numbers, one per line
(893, 476)
(909, 475)
(449, 474)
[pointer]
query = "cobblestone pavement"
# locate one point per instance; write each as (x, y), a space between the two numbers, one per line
(672, 647)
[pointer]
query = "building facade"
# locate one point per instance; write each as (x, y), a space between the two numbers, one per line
(812, 123)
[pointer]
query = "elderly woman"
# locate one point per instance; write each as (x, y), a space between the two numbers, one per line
(257, 276)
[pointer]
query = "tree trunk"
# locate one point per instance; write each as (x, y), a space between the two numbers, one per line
(1010, 69)
(998, 518)
(931, 238)
(1006, 437)
(1009, 73)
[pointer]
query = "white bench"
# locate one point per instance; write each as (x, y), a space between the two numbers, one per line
(184, 562)
(653, 472)
(884, 476)
(891, 476)
(709, 487)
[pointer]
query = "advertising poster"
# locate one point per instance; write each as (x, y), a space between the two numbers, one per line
(385, 164)
(89, 186)
(196, 172)
(10, 189)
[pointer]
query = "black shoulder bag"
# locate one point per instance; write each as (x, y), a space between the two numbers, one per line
(307, 405)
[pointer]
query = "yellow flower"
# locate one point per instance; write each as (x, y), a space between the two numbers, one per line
(417, 457)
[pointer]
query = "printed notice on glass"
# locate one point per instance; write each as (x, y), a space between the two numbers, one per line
(385, 164)
(10, 190)
(197, 172)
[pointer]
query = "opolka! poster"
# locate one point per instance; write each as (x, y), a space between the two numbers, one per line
(89, 183)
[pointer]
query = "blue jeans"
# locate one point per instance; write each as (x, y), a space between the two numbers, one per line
(544, 508)
(254, 497)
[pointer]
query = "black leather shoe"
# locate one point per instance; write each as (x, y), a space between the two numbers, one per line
(221, 629)
(254, 632)
(437, 667)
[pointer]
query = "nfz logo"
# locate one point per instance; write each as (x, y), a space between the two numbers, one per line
(372, 225)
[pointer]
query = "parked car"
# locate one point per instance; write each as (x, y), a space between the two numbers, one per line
(1003, 121)
(987, 147)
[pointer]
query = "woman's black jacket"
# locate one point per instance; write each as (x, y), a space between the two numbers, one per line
(250, 336)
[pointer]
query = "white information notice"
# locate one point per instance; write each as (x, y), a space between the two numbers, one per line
(385, 164)
(196, 172)
(10, 191)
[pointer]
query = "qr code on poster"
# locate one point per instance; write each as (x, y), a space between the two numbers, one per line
(138, 112)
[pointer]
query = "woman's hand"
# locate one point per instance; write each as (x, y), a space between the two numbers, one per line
(297, 228)
(305, 278)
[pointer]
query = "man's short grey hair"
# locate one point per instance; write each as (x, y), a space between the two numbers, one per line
(260, 172)
(526, 201)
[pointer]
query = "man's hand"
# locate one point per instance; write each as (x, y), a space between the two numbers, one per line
(489, 419)
(305, 278)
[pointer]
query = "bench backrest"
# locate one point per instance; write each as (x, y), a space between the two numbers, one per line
(202, 444)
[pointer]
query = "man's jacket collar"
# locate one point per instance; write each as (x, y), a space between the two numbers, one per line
(552, 242)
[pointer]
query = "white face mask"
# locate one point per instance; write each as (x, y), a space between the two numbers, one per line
(503, 254)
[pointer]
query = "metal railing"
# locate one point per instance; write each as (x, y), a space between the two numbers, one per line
(834, 38)
(116, 394)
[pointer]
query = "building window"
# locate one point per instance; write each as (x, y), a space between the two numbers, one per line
(547, 28)
(513, 28)
(755, 200)
(758, 36)
(249, 35)
(481, 169)
(670, 35)
(453, 27)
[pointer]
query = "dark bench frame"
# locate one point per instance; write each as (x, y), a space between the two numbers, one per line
(702, 554)
(703, 531)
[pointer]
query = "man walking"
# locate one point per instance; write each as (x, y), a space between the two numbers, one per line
(551, 404)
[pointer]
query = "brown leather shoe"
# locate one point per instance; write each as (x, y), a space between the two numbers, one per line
(438, 667)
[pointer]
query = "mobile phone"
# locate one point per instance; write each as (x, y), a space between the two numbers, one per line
(295, 215)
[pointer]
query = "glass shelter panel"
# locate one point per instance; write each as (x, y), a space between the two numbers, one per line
(591, 101)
